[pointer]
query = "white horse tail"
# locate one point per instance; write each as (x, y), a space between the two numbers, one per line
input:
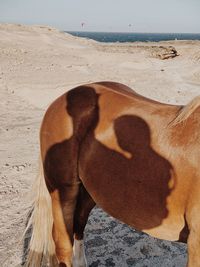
(41, 247)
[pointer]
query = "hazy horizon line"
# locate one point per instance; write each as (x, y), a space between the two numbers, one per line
(105, 31)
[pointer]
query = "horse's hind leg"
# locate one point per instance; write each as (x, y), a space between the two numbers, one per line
(194, 249)
(84, 205)
(194, 246)
(193, 220)
(63, 206)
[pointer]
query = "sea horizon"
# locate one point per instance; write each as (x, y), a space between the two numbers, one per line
(133, 32)
(104, 36)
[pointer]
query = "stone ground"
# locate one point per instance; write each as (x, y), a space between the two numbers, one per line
(111, 243)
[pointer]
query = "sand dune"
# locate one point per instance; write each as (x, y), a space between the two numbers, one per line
(39, 63)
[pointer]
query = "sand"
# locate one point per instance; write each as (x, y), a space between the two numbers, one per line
(39, 63)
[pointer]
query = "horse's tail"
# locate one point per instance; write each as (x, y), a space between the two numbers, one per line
(41, 246)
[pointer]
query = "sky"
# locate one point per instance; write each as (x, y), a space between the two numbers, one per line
(106, 15)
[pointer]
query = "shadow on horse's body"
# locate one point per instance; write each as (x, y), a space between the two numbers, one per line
(136, 158)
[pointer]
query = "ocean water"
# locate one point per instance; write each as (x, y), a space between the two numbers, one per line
(135, 37)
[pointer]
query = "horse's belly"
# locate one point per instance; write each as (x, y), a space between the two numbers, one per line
(134, 190)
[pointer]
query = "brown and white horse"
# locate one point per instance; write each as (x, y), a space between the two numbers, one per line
(136, 158)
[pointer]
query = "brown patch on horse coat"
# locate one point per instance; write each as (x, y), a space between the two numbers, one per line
(60, 165)
(83, 207)
(135, 184)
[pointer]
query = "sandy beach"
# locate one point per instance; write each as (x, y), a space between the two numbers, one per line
(39, 63)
